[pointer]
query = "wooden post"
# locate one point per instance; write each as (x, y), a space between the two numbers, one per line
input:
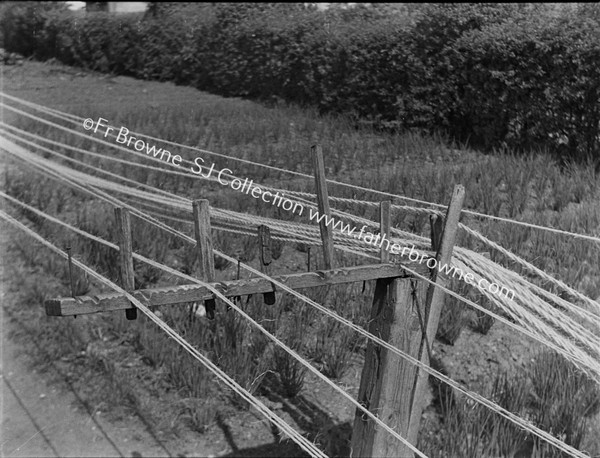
(266, 257)
(264, 249)
(70, 263)
(437, 228)
(433, 307)
(384, 225)
(323, 204)
(390, 386)
(203, 239)
(204, 249)
(387, 379)
(126, 255)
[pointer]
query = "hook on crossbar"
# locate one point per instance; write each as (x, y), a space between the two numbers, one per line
(269, 297)
(210, 305)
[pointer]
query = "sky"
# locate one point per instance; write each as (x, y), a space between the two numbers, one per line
(75, 5)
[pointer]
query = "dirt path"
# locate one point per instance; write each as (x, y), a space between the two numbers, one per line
(48, 419)
(40, 417)
(43, 418)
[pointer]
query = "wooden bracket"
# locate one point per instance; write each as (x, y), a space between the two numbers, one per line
(266, 257)
(437, 229)
(171, 295)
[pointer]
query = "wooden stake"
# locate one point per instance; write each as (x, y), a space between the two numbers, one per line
(202, 231)
(264, 249)
(384, 229)
(387, 379)
(126, 255)
(433, 307)
(323, 204)
(266, 257)
(70, 263)
(204, 249)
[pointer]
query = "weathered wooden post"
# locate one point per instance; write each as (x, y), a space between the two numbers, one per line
(264, 249)
(123, 219)
(435, 301)
(384, 229)
(70, 264)
(323, 205)
(204, 249)
(391, 387)
(386, 378)
(266, 257)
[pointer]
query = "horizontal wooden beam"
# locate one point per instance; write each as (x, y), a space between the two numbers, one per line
(108, 302)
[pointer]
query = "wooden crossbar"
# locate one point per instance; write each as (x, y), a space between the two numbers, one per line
(171, 295)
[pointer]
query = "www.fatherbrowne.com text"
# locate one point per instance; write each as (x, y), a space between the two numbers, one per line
(226, 178)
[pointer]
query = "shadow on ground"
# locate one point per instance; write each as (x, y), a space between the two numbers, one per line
(333, 439)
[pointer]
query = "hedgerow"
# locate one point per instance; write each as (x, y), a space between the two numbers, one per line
(498, 75)
(534, 83)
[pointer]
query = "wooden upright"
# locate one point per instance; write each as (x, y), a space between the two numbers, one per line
(384, 387)
(204, 249)
(264, 249)
(266, 258)
(435, 301)
(323, 205)
(385, 220)
(126, 255)
(392, 387)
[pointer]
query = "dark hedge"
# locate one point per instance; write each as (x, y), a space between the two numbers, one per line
(498, 75)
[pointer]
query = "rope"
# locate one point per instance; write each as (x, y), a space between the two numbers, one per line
(259, 273)
(77, 120)
(231, 304)
(530, 267)
(232, 384)
(296, 228)
(472, 395)
(379, 341)
(187, 208)
(475, 396)
(479, 236)
(127, 150)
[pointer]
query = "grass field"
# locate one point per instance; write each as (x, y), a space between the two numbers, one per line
(531, 188)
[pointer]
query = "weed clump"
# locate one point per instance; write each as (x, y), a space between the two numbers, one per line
(550, 392)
